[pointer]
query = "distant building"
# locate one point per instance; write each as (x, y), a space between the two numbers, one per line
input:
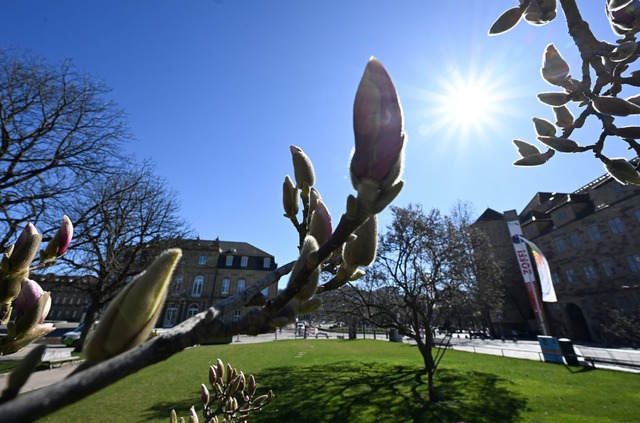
(208, 272)
(591, 239)
(211, 271)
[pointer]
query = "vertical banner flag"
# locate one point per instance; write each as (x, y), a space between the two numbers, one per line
(526, 268)
(546, 283)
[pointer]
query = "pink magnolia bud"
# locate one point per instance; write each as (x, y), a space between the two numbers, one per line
(61, 240)
(24, 237)
(24, 250)
(320, 227)
(302, 168)
(377, 124)
(28, 301)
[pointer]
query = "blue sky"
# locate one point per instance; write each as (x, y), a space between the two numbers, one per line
(216, 91)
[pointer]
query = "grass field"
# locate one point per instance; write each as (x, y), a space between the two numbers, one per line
(371, 381)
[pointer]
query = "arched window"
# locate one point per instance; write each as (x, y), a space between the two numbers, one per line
(198, 281)
(193, 310)
(177, 284)
(241, 284)
(170, 316)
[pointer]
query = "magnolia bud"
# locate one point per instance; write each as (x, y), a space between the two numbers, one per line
(614, 106)
(302, 167)
(377, 124)
(61, 240)
(622, 15)
(564, 118)
(535, 159)
(24, 250)
(213, 376)
(320, 227)
(544, 127)
(554, 99)
(220, 370)
(290, 198)
(506, 21)
(309, 286)
(204, 394)
(362, 250)
(252, 386)
(563, 145)
(32, 305)
(525, 149)
(132, 314)
(622, 171)
(193, 416)
(554, 68)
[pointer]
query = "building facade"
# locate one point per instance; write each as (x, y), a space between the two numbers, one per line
(211, 271)
(208, 272)
(591, 239)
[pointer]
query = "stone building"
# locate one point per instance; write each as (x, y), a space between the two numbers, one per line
(208, 272)
(591, 239)
(211, 271)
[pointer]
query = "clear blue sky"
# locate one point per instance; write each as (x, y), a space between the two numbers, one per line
(216, 91)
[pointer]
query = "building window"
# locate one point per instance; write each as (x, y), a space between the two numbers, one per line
(198, 281)
(593, 232)
(244, 261)
(555, 278)
(571, 276)
(616, 225)
(561, 246)
(224, 289)
(241, 284)
(266, 262)
(177, 284)
(608, 268)
(229, 261)
(575, 240)
(633, 262)
(237, 315)
(589, 273)
(170, 316)
(193, 310)
(202, 260)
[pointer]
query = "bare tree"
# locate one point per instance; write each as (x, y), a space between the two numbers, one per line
(122, 221)
(57, 131)
(426, 267)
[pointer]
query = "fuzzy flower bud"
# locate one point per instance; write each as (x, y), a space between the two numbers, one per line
(362, 250)
(131, 315)
(623, 171)
(307, 287)
(204, 394)
(622, 15)
(378, 129)
(290, 199)
(302, 167)
(555, 69)
(320, 227)
(33, 304)
(61, 240)
(24, 250)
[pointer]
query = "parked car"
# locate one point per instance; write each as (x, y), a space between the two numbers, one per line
(71, 338)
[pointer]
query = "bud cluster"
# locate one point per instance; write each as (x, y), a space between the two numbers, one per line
(17, 291)
(230, 397)
(601, 99)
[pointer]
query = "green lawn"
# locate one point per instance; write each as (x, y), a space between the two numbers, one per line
(371, 381)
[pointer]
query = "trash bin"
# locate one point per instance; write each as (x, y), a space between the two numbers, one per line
(566, 346)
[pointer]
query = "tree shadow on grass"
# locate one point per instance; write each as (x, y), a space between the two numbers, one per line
(351, 391)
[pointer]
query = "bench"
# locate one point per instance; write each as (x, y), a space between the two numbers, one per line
(53, 356)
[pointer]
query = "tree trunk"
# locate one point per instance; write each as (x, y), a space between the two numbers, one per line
(429, 364)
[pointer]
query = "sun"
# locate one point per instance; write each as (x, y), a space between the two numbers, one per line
(466, 105)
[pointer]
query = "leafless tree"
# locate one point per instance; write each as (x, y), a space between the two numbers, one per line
(58, 130)
(122, 221)
(426, 267)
